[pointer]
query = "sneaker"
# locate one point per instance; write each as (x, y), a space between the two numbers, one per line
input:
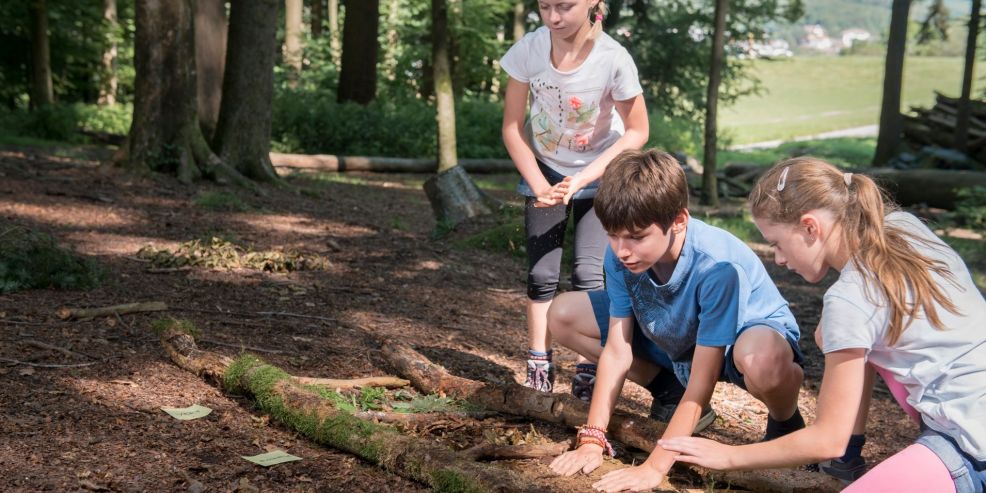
(583, 383)
(846, 472)
(663, 412)
(540, 375)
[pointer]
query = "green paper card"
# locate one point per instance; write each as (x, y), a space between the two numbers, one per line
(186, 413)
(271, 458)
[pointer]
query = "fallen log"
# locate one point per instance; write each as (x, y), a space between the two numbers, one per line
(66, 313)
(333, 383)
(491, 451)
(315, 417)
(334, 163)
(636, 431)
(935, 187)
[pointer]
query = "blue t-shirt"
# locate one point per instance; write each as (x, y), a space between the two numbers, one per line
(719, 287)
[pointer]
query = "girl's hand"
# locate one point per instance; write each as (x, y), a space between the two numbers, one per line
(575, 184)
(701, 451)
(585, 458)
(553, 195)
(636, 478)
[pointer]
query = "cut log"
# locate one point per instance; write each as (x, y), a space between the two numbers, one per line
(333, 383)
(66, 313)
(333, 163)
(636, 431)
(308, 413)
(935, 187)
(454, 197)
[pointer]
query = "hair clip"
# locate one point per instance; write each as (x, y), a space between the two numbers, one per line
(599, 16)
(783, 179)
(847, 177)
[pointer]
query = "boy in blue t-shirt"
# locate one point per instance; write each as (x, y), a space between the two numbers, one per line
(686, 305)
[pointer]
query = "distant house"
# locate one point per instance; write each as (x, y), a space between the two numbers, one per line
(816, 39)
(850, 36)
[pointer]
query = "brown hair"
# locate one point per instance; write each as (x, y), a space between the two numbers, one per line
(640, 188)
(600, 11)
(881, 252)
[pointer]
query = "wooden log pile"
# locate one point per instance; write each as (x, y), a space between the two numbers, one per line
(936, 126)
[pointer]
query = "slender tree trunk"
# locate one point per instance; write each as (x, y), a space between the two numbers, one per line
(42, 93)
(710, 188)
(334, 44)
(165, 134)
(962, 122)
(891, 122)
(444, 95)
(292, 40)
(211, 29)
(520, 18)
(390, 51)
(108, 82)
(316, 18)
(358, 76)
(243, 132)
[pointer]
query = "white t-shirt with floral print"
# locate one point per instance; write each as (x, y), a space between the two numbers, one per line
(573, 118)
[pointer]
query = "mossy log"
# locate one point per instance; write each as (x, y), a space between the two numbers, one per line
(635, 431)
(305, 411)
(333, 163)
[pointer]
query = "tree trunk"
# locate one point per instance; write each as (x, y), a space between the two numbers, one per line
(211, 29)
(334, 32)
(888, 138)
(710, 189)
(962, 124)
(165, 134)
(519, 20)
(292, 40)
(316, 18)
(453, 195)
(321, 421)
(358, 75)
(108, 81)
(390, 51)
(243, 131)
(42, 93)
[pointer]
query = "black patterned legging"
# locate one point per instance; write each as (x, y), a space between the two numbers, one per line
(545, 228)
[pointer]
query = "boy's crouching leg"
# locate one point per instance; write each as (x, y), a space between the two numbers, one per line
(572, 324)
(766, 360)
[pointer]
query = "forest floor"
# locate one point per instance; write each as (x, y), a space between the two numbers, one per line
(101, 428)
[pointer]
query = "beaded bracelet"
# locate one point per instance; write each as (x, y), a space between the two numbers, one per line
(598, 434)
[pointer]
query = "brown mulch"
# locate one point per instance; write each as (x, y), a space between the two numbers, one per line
(100, 428)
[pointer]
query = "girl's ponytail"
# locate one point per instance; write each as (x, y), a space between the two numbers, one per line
(596, 16)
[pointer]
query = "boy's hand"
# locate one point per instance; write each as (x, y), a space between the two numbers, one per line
(700, 451)
(636, 478)
(585, 458)
(554, 195)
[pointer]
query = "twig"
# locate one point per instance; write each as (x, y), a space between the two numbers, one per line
(167, 270)
(67, 352)
(240, 346)
(385, 381)
(297, 315)
(42, 365)
(83, 313)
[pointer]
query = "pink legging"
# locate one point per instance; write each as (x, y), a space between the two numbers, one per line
(915, 469)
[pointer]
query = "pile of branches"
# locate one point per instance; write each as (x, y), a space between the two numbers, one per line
(218, 253)
(937, 126)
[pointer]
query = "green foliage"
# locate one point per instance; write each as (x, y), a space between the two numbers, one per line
(973, 252)
(32, 260)
(844, 152)
(221, 201)
(187, 326)
(63, 122)
(970, 208)
(741, 227)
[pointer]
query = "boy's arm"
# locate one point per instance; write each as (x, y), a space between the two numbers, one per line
(706, 365)
(614, 363)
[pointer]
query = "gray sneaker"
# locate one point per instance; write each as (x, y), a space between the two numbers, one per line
(663, 412)
(540, 375)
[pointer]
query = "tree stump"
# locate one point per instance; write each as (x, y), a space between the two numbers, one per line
(454, 197)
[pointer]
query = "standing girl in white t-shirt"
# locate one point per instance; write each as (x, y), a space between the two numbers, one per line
(904, 305)
(586, 106)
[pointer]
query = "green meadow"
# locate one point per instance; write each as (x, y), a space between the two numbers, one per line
(810, 95)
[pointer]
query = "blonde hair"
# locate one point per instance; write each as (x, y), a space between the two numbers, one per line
(600, 11)
(883, 253)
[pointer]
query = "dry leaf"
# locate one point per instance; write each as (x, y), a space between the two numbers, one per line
(26, 371)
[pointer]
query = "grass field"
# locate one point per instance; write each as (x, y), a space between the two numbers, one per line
(810, 95)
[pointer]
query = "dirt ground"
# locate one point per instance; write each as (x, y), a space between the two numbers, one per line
(100, 427)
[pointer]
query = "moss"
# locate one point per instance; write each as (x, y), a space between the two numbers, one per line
(186, 326)
(33, 260)
(445, 480)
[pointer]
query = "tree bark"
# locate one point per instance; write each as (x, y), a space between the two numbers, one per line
(334, 44)
(519, 20)
(108, 81)
(315, 18)
(390, 51)
(165, 134)
(444, 96)
(292, 40)
(962, 125)
(211, 28)
(710, 188)
(42, 93)
(888, 139)
(243, 131)
(358, 75)
(317, 419)
(566, 409)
